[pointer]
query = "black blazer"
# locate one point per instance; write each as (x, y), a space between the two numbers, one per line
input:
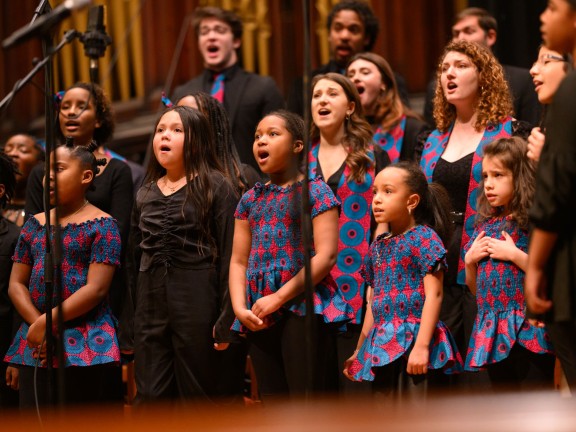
(247, 98)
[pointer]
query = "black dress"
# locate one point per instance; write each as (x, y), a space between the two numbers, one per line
(458, 305)
(182, 291)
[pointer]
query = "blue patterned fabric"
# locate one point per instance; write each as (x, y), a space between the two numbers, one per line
(88, 340)
(277, 253)
(501, 319)
(395, 268)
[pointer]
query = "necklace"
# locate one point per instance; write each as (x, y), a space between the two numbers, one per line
(76, 212)
(174, 185)
(390, 234)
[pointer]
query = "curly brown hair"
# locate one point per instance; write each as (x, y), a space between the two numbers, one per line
(357, 131)
(511, 152)
(494, 98)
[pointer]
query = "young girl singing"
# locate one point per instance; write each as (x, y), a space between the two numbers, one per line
(401, 335)
(515, 350)
(90, 253)
(182, 228)
(266, 270)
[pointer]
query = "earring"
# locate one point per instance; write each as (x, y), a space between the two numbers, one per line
(347, 116)
(409, 211)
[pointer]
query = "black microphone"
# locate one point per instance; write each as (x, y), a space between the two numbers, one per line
(45, 23)
(95, 39)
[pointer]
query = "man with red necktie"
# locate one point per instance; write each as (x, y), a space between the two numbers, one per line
(246, 96)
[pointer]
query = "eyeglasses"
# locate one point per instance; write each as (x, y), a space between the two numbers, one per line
(544, 59)
(204, 30)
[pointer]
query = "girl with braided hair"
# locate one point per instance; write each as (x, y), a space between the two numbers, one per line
(90, 254)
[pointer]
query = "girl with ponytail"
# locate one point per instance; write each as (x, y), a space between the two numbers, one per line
(402, 337)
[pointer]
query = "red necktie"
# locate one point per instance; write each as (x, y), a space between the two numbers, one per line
(217, 91)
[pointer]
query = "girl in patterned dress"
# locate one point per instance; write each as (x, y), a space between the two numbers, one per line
(266, 270)
(402, 337)
(90, 254)
(515, 350)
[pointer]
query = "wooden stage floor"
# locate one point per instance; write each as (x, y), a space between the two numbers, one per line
(546, 411)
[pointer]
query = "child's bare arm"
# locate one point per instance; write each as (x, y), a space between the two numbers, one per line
(419, 356)
(325, 227)
(237, 276)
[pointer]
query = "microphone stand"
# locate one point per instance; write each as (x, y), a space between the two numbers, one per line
(51, 259)
(40, 10)
(69, 36)
(310, 336)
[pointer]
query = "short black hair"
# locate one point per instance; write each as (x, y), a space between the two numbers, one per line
(8, 172)
(366, 14)
(85, 154)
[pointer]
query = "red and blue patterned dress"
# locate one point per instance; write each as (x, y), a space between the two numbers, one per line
(501, 320)
(277, 252)
(90, 339)
(395, 267)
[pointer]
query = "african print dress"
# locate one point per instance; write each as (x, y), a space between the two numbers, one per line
(90, 339)
(395, 268)
(277, 252)
(501, 320)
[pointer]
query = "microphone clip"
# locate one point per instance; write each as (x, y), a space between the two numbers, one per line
(95, 43)
(95, 39)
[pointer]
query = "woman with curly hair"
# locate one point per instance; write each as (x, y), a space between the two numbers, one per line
(472, 107)
(342, 153)
(396, 127)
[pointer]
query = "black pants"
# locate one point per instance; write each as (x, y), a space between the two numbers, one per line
(563, 336)
(458, 312)
(231, 380)
(8, 397)
(523, 370)
(83, 385)
(393, 384)
(175, 313)
(281, 362)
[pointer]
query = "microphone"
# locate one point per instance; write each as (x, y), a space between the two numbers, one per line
(45, 23)
(95, 39)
